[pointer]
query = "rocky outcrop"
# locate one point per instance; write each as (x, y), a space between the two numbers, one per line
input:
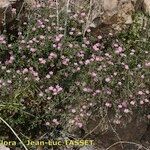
(3, 6)
(13, 13)
(108, 15)
(2, 147)
(108, 133)
(9, 10)
(115, 15)
(146, 6)
(118, 15)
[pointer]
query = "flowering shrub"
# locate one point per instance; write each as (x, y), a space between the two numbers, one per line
(53, 78)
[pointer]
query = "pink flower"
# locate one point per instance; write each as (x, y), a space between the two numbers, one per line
(39, 23)
(115, 45)
(117, 121)
(141, 102)
(99, 37)
(9, 81)
(147, 64)
(49, 98)
(23, 41)
(52, 56)
(57, 39)
(48, 76)
(120, 106)
(140, 93)
(73, 110)
(42, 61)
(86, 89)
(70, 45)
(80, 125)
(30, 41)
(12, 58)
(88, 30)
(13, 10)
(97, 91)
(78, 69)
(41, 94)
(33, 29)
(71, 33)
(55, 121)
(81, 114)
(60, 36)
(147, 91)
(126, 110)
(47, 123)
(51, 72)
(87, 62)
(25, 71)
(37, 78)
(59, 89)
(2, 39)
(33, 50)
(119, 83)
(146, 100)
(84, 107)
(54, 45)
(65, 61)
(126, 67)
(108, 104)
(93, 74)
(107, 79)
(10, 45)
(35, 74)
(51, 88)
(132, 102)
(96, 47)
(71, 121)
(119, 50)
(124, 104)
(83, 14)
(42, 37)
(18, 71)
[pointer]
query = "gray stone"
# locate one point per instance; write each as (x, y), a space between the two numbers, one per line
(107, 15)
(2, 147)
(87, 148)
(110, 5)
(4, 4)
(146, 6)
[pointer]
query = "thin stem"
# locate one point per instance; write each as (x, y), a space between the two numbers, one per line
(126, 142)
(13, 132)
(67, 9)
(57, 12)
(88, 17)
(117, 135)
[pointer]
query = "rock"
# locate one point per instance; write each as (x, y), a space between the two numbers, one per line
(117, 14)
(2, 147)
(87, 148)
(31, 2)
(10, 8)
(106, 135)
(4, 4)
(15, 15)
(110, 5)
(146, 6)
(105, 15)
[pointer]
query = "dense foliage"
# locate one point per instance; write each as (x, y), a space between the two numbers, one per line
(53, 78)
